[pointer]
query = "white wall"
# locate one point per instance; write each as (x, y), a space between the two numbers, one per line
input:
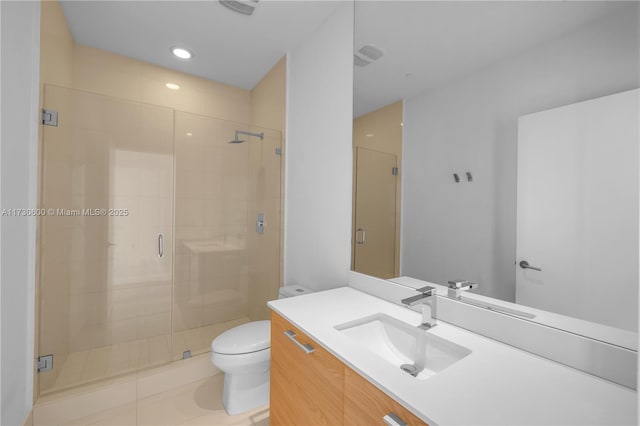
(19, 86)
(319, 156)
(468, 230)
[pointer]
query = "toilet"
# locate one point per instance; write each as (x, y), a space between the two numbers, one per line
(243, 354)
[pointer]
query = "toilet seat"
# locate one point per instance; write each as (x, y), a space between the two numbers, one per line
(246, 338)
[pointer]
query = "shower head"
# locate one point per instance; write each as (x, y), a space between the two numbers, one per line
(236, 139)
(238, 132)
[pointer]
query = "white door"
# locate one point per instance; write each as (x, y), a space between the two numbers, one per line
(577, 209)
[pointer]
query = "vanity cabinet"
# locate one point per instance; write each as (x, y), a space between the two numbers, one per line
(309, 386)
(365, 404)
(307, 382)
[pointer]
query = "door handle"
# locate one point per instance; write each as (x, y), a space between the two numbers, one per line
(525, 265)
(364, 233)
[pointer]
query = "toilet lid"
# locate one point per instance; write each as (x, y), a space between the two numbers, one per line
(250, 337)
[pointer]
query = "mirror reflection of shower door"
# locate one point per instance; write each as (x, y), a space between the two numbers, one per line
(375, 213)
(105, 295)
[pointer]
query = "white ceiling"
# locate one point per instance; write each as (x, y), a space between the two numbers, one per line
(229, 47)
(434, 41)
(440, 41)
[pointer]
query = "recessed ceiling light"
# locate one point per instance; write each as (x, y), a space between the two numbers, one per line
(369, 135)
(181, 52)
(401, 123)
(189, 134)
(172, 86)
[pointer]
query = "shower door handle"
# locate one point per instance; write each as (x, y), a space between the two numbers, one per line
(160, 245)
(364, 234)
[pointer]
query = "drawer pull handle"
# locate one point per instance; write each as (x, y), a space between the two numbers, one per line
(307, 348)
(392, 419)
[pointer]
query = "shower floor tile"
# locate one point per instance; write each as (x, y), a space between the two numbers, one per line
(105, 362)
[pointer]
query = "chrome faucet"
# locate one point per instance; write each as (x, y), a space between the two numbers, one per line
(456, 287)
(426, 297)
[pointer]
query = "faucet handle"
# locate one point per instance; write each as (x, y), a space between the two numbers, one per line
(457, 286)
(462, 284)
(427, 290)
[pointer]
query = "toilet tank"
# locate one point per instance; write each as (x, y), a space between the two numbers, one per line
(293, 290)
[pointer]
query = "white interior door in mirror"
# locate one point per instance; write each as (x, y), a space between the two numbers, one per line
(577, 207)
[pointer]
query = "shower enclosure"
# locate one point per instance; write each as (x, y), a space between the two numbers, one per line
(149, 238)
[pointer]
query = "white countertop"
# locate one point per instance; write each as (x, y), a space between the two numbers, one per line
(495, 384)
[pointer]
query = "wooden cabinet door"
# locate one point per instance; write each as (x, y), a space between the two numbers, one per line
(306, 388)
(367, 405)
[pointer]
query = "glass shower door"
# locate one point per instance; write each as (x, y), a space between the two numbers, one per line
(225, 271)
(105, 259)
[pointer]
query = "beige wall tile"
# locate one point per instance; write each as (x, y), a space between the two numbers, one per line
(187, 315)
(265, 186)
(160, 349)
(189, 212)
(268, 98)
(191, 183)
(154, 325)
(124, 330)
(114, 75)
(119, 358)
(56, 45)
(139, 353)
(97, 363)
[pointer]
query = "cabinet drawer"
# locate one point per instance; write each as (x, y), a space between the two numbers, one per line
(365, 404)
(306, 388)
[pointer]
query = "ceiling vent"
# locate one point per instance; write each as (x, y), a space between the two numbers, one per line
(371, 52)
(360, 62)
(245, 7)
(367, 54)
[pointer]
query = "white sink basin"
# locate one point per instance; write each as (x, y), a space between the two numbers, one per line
(402, 344)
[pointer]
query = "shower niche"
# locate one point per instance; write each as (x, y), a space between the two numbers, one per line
(150, 248)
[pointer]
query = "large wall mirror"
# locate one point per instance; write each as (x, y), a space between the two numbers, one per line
(498, 142)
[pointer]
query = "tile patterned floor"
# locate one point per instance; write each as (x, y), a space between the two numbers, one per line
(122, 358)
(197, 403)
